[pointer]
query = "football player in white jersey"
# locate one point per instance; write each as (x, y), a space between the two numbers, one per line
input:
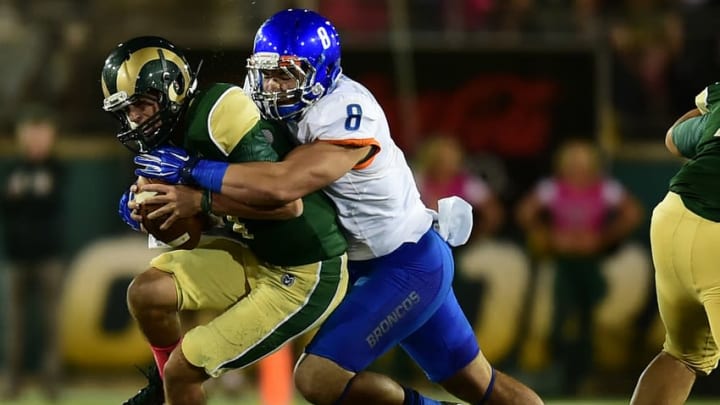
(401, 267)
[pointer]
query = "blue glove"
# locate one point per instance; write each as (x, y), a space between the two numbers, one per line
(124, 211)
(167, 163)
(176, 166)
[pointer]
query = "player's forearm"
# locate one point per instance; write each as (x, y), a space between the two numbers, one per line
(306, 169)
(252, 183)
(266, 183)
(223, 204)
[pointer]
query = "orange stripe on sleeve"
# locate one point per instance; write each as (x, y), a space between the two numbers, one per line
(359, 143)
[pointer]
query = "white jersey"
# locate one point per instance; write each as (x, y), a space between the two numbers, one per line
(378, 202)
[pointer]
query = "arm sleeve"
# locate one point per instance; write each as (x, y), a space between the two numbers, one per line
(687, 135)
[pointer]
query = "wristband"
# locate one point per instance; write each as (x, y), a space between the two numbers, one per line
(209, 174)
(206, 202)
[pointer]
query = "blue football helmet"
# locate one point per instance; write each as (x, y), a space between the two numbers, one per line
(299, 44)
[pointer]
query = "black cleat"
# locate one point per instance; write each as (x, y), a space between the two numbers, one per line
(153, 393)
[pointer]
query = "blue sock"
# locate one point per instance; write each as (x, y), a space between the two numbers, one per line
(413, 397)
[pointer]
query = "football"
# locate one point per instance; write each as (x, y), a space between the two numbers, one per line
(183, 234)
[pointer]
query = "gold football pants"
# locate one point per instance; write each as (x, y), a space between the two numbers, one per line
(263, 306)
(686, 255)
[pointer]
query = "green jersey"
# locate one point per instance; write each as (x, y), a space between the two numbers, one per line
(224, 124)
(698, 139)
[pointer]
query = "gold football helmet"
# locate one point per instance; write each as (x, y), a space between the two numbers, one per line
(147, 68)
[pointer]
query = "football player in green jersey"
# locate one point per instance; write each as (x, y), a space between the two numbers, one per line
(684, 236)
(277, 272)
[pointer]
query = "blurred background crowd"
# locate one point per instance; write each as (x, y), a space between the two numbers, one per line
(547, 115)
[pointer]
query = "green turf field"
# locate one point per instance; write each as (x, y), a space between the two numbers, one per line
(98, 390)
(114, 396)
